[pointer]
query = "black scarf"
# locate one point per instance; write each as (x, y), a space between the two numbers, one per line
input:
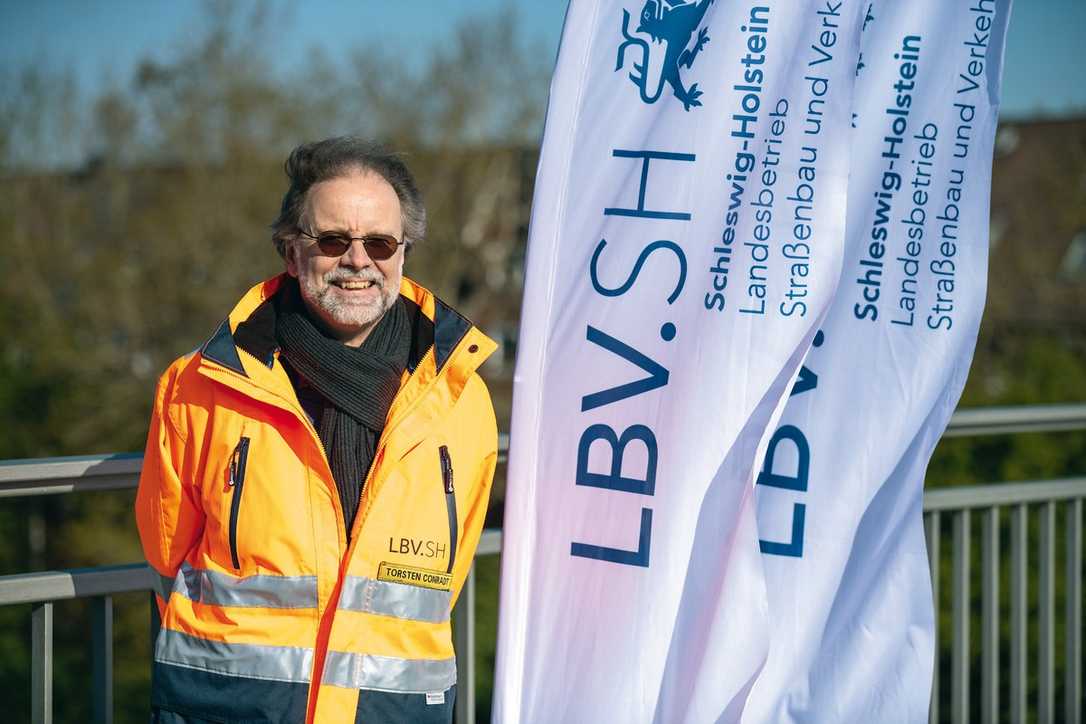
(356, 384)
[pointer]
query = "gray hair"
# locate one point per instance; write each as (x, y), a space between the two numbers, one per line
(331, 158)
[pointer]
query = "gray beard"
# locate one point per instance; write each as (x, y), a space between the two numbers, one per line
(345, 313)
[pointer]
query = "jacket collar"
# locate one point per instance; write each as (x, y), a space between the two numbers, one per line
(250, 327)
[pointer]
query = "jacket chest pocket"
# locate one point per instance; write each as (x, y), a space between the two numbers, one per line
(238, 466)
(257, 495)
(414, 520)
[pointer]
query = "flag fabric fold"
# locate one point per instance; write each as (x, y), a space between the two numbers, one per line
(840, 485)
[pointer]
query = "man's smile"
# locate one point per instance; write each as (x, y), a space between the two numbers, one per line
(354, 284)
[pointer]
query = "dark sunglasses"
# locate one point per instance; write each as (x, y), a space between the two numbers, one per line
(333, 243)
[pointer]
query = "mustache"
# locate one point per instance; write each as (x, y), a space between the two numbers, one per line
(346, 275)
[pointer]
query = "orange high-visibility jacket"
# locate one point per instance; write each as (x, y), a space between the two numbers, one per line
(268, 615)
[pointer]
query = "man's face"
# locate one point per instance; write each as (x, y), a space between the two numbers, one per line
(348, 293)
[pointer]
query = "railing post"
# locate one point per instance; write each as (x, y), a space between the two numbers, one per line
(990, 618)
(1045, 620)
(102, 659)
(932, 531)
(1019, 608)
(41, 677)
(1073, 633)
(464, 643)
(959, 671)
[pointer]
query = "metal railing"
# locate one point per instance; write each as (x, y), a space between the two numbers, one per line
(21, 478)
(989, 502)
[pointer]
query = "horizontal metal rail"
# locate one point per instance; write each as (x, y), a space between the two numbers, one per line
(968, 497)
(30, 477)
(1017, 419)
(77, 583)
(50, 476)
(105, 580)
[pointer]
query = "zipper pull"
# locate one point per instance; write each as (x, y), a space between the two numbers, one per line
(446, 469)
(234, 456)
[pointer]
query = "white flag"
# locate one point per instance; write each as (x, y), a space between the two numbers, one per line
(841, 484)
(686, 239)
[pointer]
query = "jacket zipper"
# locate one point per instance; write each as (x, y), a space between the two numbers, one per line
(450, 501)
(237, 481)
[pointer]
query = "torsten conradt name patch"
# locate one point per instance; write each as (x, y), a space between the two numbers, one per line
(414, 576)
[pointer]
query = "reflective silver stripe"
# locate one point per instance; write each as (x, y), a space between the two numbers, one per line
(388, 598)
(261, 591)
(279, 663)
(366, 671)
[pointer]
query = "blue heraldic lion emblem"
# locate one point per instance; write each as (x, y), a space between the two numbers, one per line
(671, 22)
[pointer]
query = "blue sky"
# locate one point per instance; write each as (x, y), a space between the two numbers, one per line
(1044, 66)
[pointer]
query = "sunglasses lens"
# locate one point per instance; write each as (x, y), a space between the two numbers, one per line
(333, 244)
(380, 248)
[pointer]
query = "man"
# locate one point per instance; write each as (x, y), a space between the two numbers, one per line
(317, 474)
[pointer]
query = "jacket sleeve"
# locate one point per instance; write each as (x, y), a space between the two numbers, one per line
(480, 482)
(168, 512)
